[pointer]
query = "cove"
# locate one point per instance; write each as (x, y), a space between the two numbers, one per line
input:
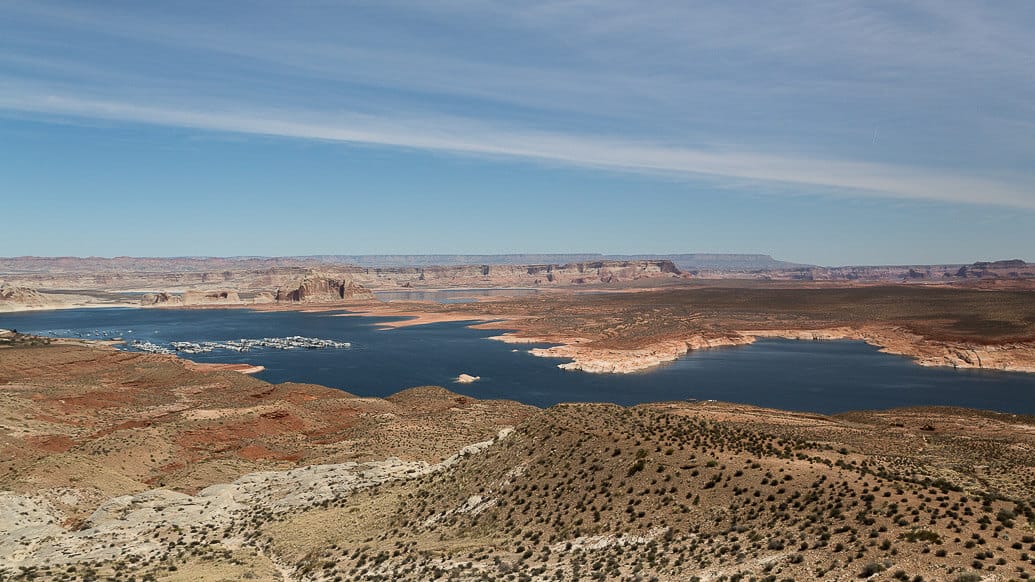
(815, 376)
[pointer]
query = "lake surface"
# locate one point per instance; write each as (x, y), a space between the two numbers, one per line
(820, 376)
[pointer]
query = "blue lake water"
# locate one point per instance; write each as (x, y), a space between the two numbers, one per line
(822, 376)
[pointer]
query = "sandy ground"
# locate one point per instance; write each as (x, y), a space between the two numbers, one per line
(212, 367)
(83, 304)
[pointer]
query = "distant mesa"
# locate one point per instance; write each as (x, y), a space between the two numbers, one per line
(591, 272)
(324, 290)
(336, 278)
(1011, 269)
(682, 261)
(720, 262)
(1007, 264)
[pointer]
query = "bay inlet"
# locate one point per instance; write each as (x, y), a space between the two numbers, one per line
(814, 376)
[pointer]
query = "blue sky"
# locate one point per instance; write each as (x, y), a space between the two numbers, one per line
(821, 132)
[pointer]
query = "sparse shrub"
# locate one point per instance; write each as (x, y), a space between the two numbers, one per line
(871, 569)
(921, 535)
(636, 467)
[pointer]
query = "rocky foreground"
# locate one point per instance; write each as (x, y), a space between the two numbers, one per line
(134, 466)
(108, 423)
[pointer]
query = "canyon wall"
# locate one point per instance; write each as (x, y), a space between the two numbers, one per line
(251, 280)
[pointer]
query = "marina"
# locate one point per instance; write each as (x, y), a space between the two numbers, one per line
(295, 342)
(358, 355)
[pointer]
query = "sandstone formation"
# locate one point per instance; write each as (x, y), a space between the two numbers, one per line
(19, 298)
(617, 361)
(14, 297)
(114, 530)
(264, 297)
(160, 299)
(255, 276)
(211, 298)
(324, 290)
(190, 298)
(1014, 269)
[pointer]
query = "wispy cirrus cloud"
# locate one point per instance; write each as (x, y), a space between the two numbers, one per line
(783, 97)
(468, 137)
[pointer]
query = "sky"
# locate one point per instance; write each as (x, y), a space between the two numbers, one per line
(828, 133)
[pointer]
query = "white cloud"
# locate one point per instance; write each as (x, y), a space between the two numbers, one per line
(470, 137)
(662, 88)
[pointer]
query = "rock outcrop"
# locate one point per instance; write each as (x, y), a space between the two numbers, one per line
(191, 298)
(309, 290)
(19, 296)
(114, 530)
(263, 297)
(211, 298)
(588, 358)
(245, 276)
(161, 298)
(324, 290)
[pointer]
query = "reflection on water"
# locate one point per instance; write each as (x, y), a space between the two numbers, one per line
(451, 295)
(820, 376)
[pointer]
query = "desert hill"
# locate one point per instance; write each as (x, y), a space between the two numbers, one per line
(18, 298)
(108, 423)
(424, 485)
(672, 491)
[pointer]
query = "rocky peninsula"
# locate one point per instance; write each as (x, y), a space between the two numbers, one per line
(632, 332)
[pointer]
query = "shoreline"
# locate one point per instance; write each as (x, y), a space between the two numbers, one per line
(215, 460)
(893, 341)
(247, 369)
(923, 351)
(270, 305)
(1016, 357)
(65, 306)
(415, 317)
